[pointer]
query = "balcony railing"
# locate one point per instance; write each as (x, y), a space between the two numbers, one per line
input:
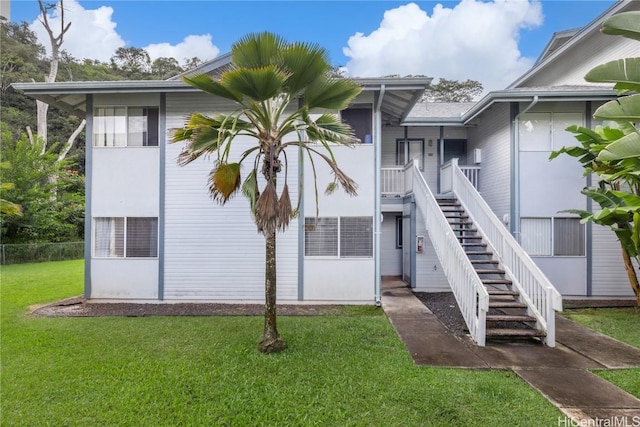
(393, 179)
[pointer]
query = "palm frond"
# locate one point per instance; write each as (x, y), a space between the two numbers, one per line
(257, 83)
(329, 128)
(251, 191)
(332, 94)
(267, 209)
(9, 208)
(284, 209)
(224, 181)
(206, 84)
(305, 62)
(256, 50)
(347, 184)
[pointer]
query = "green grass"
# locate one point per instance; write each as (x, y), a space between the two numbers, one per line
(622, 324)
(206, 371)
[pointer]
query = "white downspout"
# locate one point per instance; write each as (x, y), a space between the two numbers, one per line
(377, 215)
(516, 170)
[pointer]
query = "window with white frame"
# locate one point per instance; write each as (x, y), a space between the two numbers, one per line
(559, 236)
(125, 237)
(123, 126)
(343, 237)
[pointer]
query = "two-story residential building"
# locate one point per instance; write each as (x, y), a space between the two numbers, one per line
(153, 233)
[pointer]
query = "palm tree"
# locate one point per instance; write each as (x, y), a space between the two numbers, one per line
(275, 86)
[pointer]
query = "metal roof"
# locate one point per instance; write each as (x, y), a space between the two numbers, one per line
(396, 96)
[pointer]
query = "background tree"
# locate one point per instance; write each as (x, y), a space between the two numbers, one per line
(274, 85)
(163, 68)
(453, 91)
(52, 211)
(7, 207)
(612, 153)
(133, 62)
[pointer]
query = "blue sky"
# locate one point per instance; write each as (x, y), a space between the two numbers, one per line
(412, 38)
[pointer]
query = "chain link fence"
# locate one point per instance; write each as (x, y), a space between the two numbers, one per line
(40, 252)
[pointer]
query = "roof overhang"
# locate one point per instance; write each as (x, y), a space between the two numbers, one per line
(396, 95)
(400, 94)
(559, 94)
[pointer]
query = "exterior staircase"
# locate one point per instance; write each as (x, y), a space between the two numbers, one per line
(508, 316)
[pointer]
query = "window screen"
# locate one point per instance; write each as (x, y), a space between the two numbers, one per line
(142, 237)
(535, 235)
(356, 237)
(321, 236)
(360, 120)
(568, 237)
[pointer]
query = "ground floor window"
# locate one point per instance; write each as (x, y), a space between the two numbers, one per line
(125, 237)
(558, 236)
(343, 237)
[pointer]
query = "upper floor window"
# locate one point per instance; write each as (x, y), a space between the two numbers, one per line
(125, 126)
(360, 118)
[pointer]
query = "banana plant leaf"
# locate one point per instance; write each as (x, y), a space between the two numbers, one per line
(622, 109)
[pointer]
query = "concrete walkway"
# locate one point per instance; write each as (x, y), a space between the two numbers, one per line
(560, 374)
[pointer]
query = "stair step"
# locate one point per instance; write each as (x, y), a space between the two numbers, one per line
(448, 202)
(489, 271)
(496, 281)
(509, 318)
(469, 237)
(506, 304)
(479, 253)
(455, 216)
(460, 222)
(484, 261)
(515, 333)
(499, 292)
(463, 230)
(479, 244)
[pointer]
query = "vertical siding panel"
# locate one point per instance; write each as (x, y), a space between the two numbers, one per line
(609, 274)
(594, 50)
(493, 136)
(214, 252)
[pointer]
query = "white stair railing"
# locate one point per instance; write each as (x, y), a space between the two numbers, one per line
(470, 293)
(541, 297)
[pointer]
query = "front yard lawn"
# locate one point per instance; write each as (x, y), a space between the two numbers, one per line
(622, 324)
(206, 371)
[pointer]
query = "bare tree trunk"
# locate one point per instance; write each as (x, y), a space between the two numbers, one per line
(71, 141)
(271, 341)
(631, 273)
(56, 42)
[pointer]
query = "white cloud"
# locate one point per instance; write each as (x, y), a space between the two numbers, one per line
(192, 46)
(93, 35)
(474, 40)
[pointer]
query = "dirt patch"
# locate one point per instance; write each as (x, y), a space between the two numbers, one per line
(79, 307)
(445, 308)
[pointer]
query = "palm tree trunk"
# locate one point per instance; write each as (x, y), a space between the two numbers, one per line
(271, 341)
(631, 273)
